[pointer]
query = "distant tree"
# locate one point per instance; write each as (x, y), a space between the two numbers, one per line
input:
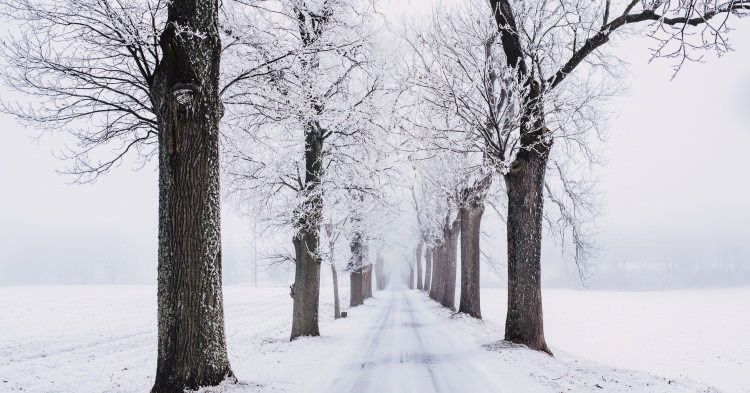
(427, 269)
(447, 256)
(333, 235)
(353, 208)
(293, 133)
(380, 277)
(423, 207)
(464, 110)
(367, 277)
(423, 200)
(363, 206)
(422, 240)
(459, 75)
(419, 252)
(438, 221)
(357, 262)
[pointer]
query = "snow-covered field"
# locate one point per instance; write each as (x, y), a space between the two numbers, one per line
(103, 339)
(700, 335)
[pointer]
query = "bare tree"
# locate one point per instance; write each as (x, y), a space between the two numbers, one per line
(422, 238)
(380, 277)
(88, 67)
(142, 77)
(439, 225)
(466, 112)
(333, 235)
(356, 265)
(291, 135)
(489, 89)
(544, 43)
(365, 209)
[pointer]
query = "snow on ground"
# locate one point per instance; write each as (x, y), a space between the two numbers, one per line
(700, 334)
(103, 339)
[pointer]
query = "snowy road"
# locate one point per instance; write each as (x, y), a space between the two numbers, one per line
(404, 342)
(407, 347)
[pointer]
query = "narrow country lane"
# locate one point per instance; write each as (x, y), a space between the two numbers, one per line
(409, 348)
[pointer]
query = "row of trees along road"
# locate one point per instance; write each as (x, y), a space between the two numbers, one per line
(497, 86)
(298, 100)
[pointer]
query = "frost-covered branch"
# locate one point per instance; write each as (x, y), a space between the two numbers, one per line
(86, 67)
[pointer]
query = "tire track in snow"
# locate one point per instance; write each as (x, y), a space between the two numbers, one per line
(407, 347)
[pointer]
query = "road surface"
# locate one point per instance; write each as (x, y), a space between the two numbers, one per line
(408, 347)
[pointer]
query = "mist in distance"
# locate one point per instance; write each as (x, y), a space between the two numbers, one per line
(674, 198)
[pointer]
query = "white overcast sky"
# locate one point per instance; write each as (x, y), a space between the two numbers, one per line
(676, 178)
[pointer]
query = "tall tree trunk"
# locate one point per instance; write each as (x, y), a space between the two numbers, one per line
(438, 264)
(435, 269)
(356, 297)
(380, 274)
(411, 276)
(419, 264)
(356, 285)
(307, 240)
(367, 282)
(336, 302)
(427, 269)
(449, 275)
(306, 286)
(191, 338)
(524, 320)
(471, 219)
(524, 184)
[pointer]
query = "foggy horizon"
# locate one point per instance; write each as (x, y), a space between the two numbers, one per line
(673, 189)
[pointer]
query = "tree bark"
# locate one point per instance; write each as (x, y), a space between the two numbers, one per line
(435, 268)
(438, 262)
(306, 285)
(524, 320)
(449, 267)
(380, 274)
(471, 219)
(336, 302)
(307, 241)
(355, 288)
(191, 338)
(427, 269)
(356, 285)
(367, 282)
(419, 265)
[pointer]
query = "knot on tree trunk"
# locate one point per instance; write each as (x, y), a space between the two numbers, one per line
(518, 166)
(183, 102)
(185, 96)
